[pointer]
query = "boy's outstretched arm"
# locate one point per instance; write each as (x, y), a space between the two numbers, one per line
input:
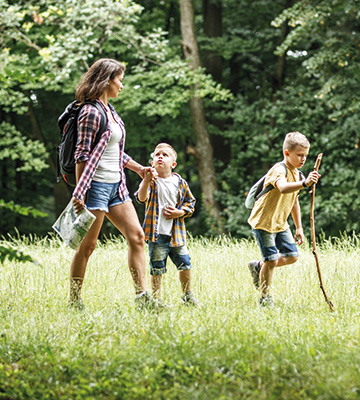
(142, 193)
(296, 216)
(289, 187)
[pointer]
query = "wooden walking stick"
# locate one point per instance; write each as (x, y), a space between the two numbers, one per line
(312, 224)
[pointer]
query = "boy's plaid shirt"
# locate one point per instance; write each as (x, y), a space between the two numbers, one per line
(88, 124)
(186, 202)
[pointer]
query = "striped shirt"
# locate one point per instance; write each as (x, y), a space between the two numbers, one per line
(88, 125)
(186, 202)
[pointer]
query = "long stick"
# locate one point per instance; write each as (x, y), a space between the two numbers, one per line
(312, 224)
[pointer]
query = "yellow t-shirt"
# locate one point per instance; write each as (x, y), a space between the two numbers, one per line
(271, 211)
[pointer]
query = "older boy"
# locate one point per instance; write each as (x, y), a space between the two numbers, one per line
(168, 201)
(268, 218)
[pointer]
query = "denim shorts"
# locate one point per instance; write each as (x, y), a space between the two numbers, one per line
(160, 250)
(102, 195)
(271, 244)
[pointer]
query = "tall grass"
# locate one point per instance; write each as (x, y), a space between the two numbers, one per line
(229, 348)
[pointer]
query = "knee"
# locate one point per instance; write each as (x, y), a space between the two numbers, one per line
(137, 238)
(271, 264)
(292, 260)
(86, 250)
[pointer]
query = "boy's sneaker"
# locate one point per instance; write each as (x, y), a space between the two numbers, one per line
(145, 300)
(161, 304)
(266, 301)
(77, 304)
(190, 300)
(254, 269)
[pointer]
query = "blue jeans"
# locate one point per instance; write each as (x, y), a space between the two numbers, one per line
(102, 195)
(271, 244)
(160, 250)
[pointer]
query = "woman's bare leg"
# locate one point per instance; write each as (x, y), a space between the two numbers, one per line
(82, 255)
(125, 218)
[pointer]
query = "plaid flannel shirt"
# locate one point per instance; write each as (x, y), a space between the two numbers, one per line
(186, 202)
(88, 124)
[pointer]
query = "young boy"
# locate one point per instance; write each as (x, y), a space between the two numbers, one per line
(268, 218)
(168, 200)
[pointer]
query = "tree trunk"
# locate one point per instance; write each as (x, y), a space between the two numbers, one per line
(280, 65)
(203, 151)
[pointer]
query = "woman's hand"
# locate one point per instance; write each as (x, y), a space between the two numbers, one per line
(146, 172)
(78, 205)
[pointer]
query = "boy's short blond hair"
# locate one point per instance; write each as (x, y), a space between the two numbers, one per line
(294, 139)
(166, 145)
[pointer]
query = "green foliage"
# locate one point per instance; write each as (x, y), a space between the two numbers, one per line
(13, 100)
(18, 209)
(230, 348)
(328, 32)
(7, 251)
(317, 97)
(167, 88)
(47, 45)
(13, 255)
(31, 154)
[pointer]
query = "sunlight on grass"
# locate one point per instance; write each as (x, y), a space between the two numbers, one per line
(229, 348)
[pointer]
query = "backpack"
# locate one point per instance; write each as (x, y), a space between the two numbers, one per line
(258, 190)
(67, 123)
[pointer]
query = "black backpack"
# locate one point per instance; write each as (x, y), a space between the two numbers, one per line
(67, 123)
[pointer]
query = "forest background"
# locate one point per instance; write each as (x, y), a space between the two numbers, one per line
(223, 81)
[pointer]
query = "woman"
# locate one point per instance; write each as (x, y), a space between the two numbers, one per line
(101, 182)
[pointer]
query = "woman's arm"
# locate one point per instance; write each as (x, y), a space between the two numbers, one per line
(136, 167)
(79, 169)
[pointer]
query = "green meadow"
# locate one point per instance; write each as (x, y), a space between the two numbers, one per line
(230, 348)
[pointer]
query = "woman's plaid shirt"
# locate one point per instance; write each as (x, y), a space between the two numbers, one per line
(186, 202)
(88, 124)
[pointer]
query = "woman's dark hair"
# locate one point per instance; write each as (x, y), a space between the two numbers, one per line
(95, 81)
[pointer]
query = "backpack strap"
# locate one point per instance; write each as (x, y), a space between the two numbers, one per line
(270, 187)
(302, 176)
(103, 121)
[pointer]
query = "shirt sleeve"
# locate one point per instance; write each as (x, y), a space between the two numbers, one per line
(126, 158)
(188, 205)
(88, 124)
(136, 194)
(274, 174)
